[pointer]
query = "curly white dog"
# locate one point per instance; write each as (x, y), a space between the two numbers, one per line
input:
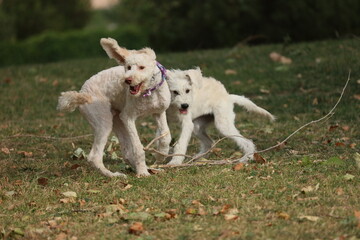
(197, 101)
(108, 104)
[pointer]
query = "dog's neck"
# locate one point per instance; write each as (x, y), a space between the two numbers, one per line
(162, 69)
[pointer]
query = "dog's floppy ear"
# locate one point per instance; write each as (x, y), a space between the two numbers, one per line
(148, 51)
(113, 50)
(194, 76)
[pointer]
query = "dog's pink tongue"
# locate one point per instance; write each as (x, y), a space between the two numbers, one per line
(134, 89)
(183, 111)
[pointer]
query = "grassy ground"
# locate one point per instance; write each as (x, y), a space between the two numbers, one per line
(309, 189)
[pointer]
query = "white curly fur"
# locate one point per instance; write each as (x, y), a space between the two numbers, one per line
(197, 101)
(112, 100)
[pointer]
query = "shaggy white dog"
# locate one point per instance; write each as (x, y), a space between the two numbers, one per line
(197, 101)
(114, 98)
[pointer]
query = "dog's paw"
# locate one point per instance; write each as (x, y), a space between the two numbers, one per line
(119, 174)
(112, 174)
(143, 174)
(174, 162)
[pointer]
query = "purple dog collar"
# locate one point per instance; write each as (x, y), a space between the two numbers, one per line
(163, 77)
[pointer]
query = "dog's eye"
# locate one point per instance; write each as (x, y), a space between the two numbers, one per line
(141, 67)
(187, 90)
(129, 67)
(176, 92)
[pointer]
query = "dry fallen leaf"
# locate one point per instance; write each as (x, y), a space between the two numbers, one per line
(283, 215)
(315, 101)
(230, 72)
(229, 217)
(25, 154)
(309, 218)
(357, 216)
(191, 211)
(357, 159)
(285, 60)
(339, 191)
(61, 236)
(69, 194)
(136, 228)
(275, 56)
(43, 181)
(5, 150)
(238, 166)
(357, 96)
(259, 159)
(346, 128)
(67, 200)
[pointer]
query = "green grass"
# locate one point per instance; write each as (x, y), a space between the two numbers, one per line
(269, 199)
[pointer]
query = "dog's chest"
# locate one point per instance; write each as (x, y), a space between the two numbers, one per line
(157, 102)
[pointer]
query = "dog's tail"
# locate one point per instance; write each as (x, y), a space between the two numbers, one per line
(250, 106)
(69, 101)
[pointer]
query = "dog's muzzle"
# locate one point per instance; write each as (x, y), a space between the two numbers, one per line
(184, 108)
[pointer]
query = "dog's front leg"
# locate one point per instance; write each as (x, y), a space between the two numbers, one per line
(137, 158)
(187, 127)
(163, 130)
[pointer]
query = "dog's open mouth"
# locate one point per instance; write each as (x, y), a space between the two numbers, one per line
(183, 111)
(135, 89)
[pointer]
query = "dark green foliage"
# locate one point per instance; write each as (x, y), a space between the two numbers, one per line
(32, 17)
(52, 46)
(188, 24)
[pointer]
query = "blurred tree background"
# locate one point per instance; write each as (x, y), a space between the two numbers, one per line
(50, 30)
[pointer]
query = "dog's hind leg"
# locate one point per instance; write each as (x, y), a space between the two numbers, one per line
(200, 125)
(123, 136)
(224, 122)
(100, 118)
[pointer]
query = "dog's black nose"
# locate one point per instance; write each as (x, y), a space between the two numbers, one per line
(184, 106)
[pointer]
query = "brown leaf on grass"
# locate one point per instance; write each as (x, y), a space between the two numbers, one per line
(238, 167)
(201, 211)
(333, 127)
(25, 154)
(82, 202)
(191, 211)
(230, 72)
(357, 216)
(7, 80)
(275, 56)
(259, 159)
(126, 187)
(55, 83)
(171, 213)
(283, 215)
(236, 83)
(75, 166)
(357, 96)
(340, 144)
(61, 236)
(315, 101)
(43, 181)
(309, 218)
(229, 217)
(339, 191)
(67, 200)
(281, 146)
(346, 128)
(136, 228)
(196, 203)
(5, 150)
